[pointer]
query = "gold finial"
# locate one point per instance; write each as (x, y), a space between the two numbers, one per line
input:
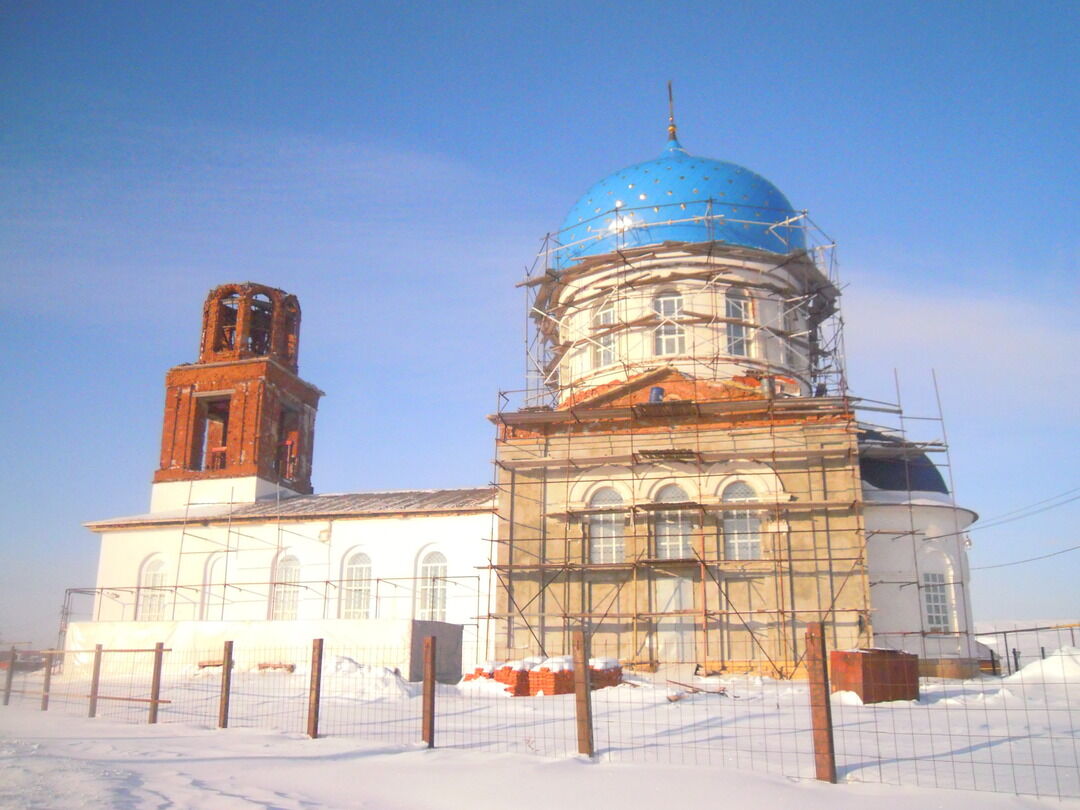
(671, 113)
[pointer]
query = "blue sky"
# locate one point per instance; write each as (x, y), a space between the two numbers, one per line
(396, 167)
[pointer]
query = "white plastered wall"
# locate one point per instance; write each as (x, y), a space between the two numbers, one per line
(249, 552)
(904, 541)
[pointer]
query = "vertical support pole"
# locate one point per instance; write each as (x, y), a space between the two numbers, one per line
(820, 708)
(95, 680)
(226, 686)
(9, 676)
(582, 694)
(1016, 659)
(155, 682)
(428, 719)
(46, 685)
(1042, 653)
(315, 690)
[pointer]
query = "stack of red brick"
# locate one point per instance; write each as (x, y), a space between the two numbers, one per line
(545, 679)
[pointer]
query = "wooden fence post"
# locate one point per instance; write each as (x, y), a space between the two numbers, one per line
(46, 685)
(10, 675)
(155, 681)
(820, 707)
(226, 686)
(582, 694)
(428, 718)
(315, 690)
(95, 680)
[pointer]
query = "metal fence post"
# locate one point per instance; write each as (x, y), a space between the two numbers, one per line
(427, 733)
(95, 680)
(582, 694)
(820, 707)
(46, 685)
(315, 690)
(10, 675)
(226, 686)
(155, 682)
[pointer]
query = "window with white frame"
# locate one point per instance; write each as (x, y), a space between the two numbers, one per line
(286, 589)
(737, 310)
(356, 587)
(431, 594)
(742, 527)
(669, 337)
(673, 528)
(604, 348)
(936, 602)
(606, 528)
(791, 322)
(151, 606)
(213, 604)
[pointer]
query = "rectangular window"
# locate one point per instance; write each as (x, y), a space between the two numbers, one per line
(737, 308)
(604, 349)
(672, 534)
(210, 433)
(936, 603)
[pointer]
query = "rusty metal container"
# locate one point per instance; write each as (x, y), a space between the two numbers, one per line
(875, 675)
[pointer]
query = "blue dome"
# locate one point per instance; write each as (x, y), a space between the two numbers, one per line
(678, 198)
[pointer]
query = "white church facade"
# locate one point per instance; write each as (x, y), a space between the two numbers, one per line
(689, 481)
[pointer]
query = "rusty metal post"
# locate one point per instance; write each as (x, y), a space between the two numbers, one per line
(46, 685)
(95, 680)
(155, 682)
(428, 721)
(582, 694)
(820, 707)
(10, 675)
(226, 686)
(315, 689)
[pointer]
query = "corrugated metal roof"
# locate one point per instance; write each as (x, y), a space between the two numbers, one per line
(302, 507)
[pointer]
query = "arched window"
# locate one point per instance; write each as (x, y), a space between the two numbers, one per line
(213, 602)
(228, 309)
(151, 605)
(286, 590)
(604, 348)
(431, 595)
(606, 528)
(668, 337)
(356, 587)
(737, 309)
(262, 317)
(672, 527)
(742, 527)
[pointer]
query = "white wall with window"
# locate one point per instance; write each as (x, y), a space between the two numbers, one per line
(362, 568)
(152, 598)
(356, 586)
(431, 588)
(673, 526)
(669, 337)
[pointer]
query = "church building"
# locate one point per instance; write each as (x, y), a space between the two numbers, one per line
(686, 476)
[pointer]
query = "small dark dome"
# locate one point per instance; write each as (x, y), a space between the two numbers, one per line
(886, 462)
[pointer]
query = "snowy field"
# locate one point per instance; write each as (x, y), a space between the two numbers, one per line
(1016, 734)
(54, 762)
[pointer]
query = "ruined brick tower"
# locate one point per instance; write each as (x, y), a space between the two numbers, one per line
(239, 424)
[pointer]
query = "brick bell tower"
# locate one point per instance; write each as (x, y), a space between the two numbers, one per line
(239, 424)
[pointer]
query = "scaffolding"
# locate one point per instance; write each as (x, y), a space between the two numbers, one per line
(739, 379)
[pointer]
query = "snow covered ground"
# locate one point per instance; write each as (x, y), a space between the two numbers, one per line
(55, 762)
(742, 736)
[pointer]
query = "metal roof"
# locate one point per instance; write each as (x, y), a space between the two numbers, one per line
(305, 507)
